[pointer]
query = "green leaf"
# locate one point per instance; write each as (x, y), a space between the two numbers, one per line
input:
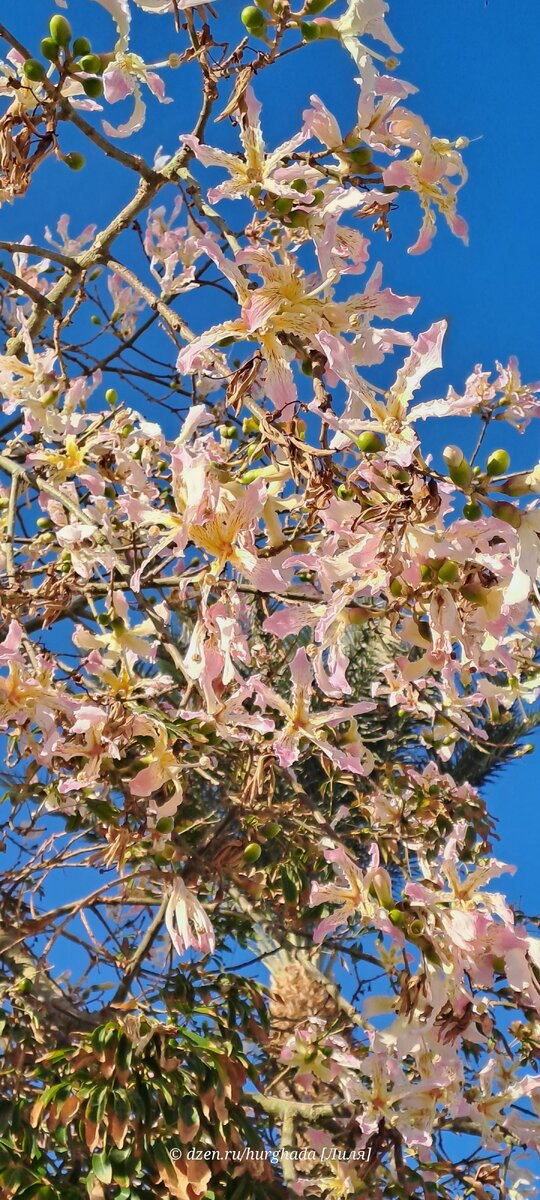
(102, 1167)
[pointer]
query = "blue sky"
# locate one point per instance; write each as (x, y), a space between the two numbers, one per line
(476, 65)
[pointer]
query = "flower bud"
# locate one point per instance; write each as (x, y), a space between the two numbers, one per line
(498, 462)
(34, 70)
(60, 30)
(344, 492)
(383, 888)
(396, 588)
(93, 88)
(252, 852)
(111, 396)
(369, 442)
(92, 64)
(474, 593)
(75, 162)
(164, 825)
(518, 485)
(449, 572)
(472, 511)
(49, 49)
(508, 513)
(310, 31)
(360, 156)
(314, 7)
(299, 220)
(283, 205)
(459, 469)
(397, 917)
(327, 29)
(81, 45)
(254, 20)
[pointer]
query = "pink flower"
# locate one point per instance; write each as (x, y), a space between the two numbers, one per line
(122, 78)
(302, 723)
(187, 922)
(356, 893)
(256, 168)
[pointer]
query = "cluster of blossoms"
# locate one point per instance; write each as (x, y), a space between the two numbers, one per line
(209, 583)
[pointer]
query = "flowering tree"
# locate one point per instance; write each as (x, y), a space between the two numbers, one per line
(251, 672)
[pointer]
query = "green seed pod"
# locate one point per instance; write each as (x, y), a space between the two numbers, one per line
(300, 186)
(93, 88)
(92, 64)
(34, 70)
(272, 829)
(344, 492)
(43, 523)
(507, 512)
(252, 852)
(369, 442)
(309, 31)
(75, 162)
(254, 20)
(397, 917)
(426, 572)
(49, 49)
(81, 45)
(228, 431)
(472, 511)
(498, 462)
(60, 30)
(111, 396)
(449, 572)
